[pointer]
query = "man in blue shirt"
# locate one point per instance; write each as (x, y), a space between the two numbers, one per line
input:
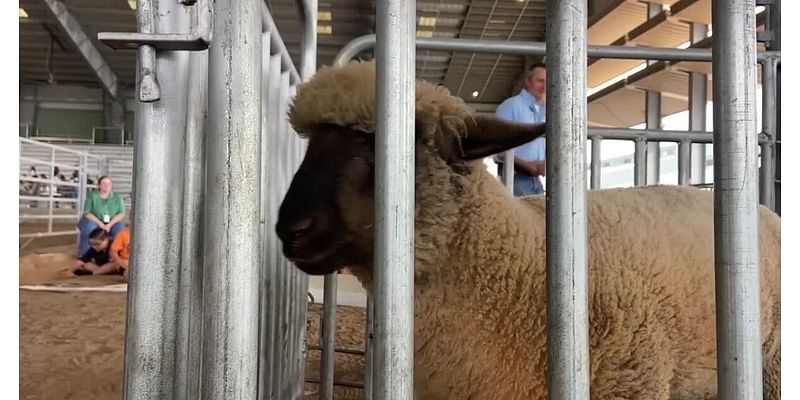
(527, 107)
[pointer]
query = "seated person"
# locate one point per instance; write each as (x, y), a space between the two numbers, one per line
(103, 209)
(96, 260)
(121, 251)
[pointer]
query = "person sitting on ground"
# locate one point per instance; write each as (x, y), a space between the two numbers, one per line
(96, 260)
(103, 209)
(121, 251)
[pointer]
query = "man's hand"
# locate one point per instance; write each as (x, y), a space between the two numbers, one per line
(535, 168)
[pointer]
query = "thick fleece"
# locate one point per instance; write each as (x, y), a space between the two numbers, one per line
(480, 275)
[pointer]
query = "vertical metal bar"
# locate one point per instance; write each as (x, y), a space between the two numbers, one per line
(308, 62)
(596, 163)
(51, 194)
(327, 359)
(230, 339)
(394, 197)
(698, 95)
(190, 275)
(508, 170)
(736, 255)
(766, 179)
(283, 265)
(291, 328)
(157, 217)
(368, 353)
(684, 162)
(653, 121)
(640, 163)
(267, 268)
(567, 265)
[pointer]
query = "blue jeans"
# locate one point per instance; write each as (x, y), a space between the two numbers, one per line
(524, 184)
(86, 227)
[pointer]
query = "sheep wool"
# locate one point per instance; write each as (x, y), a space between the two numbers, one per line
(480, 276)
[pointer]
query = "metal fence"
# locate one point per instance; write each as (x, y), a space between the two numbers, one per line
(225, 316)
(51, 204)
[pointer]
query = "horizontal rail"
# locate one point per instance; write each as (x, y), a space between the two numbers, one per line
(58, 148)
(656, 135)
(338, 350)
(276, 42)
(48, 234)
(355, 385)
(49, 199)
(367, 42)
(53, 182)
(36, 161)
(73, 216)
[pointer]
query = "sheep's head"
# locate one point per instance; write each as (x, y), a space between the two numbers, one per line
(326, 219)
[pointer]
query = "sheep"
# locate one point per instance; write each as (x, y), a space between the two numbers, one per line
(480, 296)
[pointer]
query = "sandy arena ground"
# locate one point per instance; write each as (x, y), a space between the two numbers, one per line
(71, 344)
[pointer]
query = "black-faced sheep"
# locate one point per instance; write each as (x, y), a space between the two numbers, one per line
(480, 255)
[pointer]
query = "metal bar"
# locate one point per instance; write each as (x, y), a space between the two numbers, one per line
(736, 250)
(653, 122)
(268, 25)
(596, 162)
(767, 172)
(367, 42)
(231, 256)
(59, 148)
(684, 162)
(52, 189)
(266, 280)
(190, 278)
(508, 170)
(354, 385)
(72, 27)
(327, 358)
(369, 352)
(152, 312)
(308, 60)
(698, 95)
(340, 350)
(640, 162)
(48, 234)
(394, 200)
(567, 257)
(282, 175)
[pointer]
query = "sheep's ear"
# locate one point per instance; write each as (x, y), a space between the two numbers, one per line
(489, 135)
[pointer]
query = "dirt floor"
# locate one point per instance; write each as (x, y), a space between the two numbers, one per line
(71, 343)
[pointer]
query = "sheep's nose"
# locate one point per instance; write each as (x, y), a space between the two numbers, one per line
(299, 229)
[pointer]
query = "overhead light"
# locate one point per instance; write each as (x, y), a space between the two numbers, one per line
(475, 94)
(132, 4)
(324, 29)
(23, 13)
(427, 21)
(324, 16)
(424, 34)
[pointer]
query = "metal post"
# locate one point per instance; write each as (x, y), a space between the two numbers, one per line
(640, 163)
(736, 255)
(684, 162)
(652, 109)
(231, 282)
(653, 151)
(51, 189)
(157, 217)
(766, 179)
(508, 170)
(567, 259)
(327, 359)
(368, 352)
(698, 95)
(190, 275)
(596, 162)
(284, 267)
(394, 200)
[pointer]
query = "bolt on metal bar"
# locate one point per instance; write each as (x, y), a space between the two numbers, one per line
(567, 257)
(394, 200)
(231, 282)
(736, 244)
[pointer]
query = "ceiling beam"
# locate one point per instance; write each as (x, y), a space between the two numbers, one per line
(70, 25)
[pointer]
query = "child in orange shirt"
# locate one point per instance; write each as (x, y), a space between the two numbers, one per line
(121, 251)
